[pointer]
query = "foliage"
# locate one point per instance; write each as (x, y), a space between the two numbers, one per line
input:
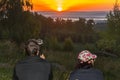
(63, 63)
(68, 45)
(53, 44)
(109, 67)
(29, 27)
(79, 31)
(16, 24)
(109, 41)
(5, 73)
(107, 45)
(10, 8)
(10, 52)
(91, 47)
(114, 22)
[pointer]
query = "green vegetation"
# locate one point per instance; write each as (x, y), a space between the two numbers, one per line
(63, 39)
(62, 62)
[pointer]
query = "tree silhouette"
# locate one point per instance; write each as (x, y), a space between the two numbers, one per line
(13, 7)
(17, 22)
(114, 22)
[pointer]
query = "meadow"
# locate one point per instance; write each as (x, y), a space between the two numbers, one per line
(63, 62)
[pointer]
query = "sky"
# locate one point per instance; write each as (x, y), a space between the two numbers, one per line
(73, 5)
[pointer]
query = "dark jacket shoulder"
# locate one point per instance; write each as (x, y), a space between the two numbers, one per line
(32, 68)
(86, 74)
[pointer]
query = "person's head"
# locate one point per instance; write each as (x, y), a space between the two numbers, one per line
(85, 59)
(32, 47)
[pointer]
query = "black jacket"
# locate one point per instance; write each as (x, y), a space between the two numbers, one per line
(86, 74)
(32, 68)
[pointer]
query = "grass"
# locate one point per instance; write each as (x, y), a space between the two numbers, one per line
(6, 73)
(110, 66)
(62, 62)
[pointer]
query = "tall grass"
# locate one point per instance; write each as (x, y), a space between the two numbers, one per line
(62, 62)
(110, 66)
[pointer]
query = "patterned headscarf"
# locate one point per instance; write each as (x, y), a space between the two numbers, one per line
(86, 55)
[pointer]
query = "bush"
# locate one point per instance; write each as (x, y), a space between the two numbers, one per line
(109, 46)
(117, 50)
(10, 52)
(63, 63)
(91, 47)
(53, 44)
(68, 45)
(106, 45)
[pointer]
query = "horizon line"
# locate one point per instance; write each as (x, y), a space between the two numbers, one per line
(72, 11)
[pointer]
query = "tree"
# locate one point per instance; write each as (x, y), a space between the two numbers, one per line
(90, 24)
(114, 22)
(18, 23)
(28, 27)
(13, 7)
(110, 39)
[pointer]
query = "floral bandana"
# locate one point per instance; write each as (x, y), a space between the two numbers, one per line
(86, 55)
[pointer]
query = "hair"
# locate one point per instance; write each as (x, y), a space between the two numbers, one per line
(32, 50)
(84, 65)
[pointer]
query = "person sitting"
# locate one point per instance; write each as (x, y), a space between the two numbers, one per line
(84, 69)
(34, 66)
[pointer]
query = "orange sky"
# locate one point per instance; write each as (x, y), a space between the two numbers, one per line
(72, 5)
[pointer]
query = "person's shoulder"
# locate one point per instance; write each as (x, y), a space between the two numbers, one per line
(91, 70)
(75, 72)
(47, 62)
(95, 69)
(19, 62)
(43, 61)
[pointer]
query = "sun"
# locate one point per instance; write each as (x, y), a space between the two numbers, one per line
(59, 9)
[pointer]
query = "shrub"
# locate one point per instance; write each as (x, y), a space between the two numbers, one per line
(10, 52)
(53, 44)
(91, 47)
(106, 45)
(68, 45)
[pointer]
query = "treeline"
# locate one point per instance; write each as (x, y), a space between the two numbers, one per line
(18, 24)
(32, 25)
(79, 31)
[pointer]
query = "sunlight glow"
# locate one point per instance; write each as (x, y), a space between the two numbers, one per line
(59, 9)
(65, 5)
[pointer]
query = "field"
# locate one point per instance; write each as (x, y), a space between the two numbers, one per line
(62, 63)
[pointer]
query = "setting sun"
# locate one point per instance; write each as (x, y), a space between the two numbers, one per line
(73, 5)
(59, 8)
